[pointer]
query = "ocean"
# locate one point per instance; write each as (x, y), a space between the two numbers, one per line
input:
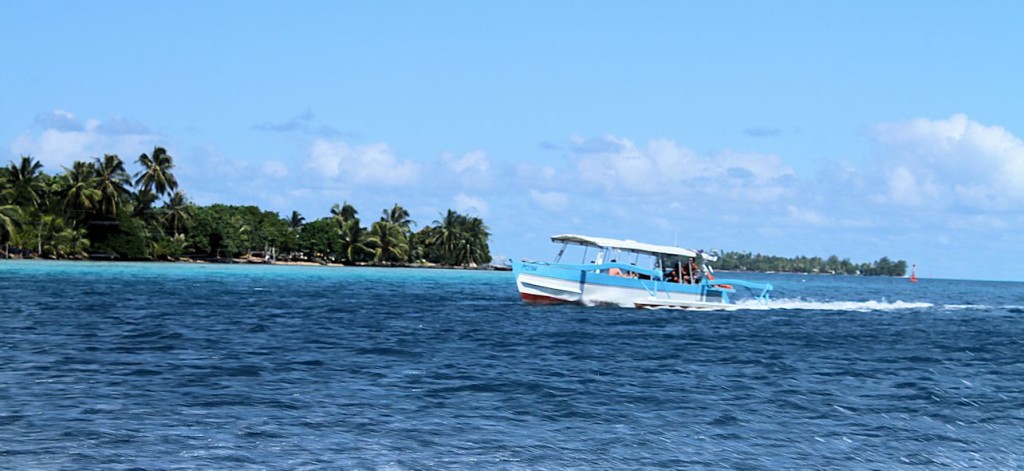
(149, 366)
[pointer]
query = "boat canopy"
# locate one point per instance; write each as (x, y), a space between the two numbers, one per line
(624, 245)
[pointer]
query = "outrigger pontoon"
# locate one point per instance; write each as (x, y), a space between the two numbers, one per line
(630, 274)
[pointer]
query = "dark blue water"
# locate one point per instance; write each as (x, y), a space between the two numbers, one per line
(163, 366)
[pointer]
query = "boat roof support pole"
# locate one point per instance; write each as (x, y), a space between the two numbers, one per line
(561, 251)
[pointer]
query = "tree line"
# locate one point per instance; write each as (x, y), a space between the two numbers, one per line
(745, 261)
(97, 209)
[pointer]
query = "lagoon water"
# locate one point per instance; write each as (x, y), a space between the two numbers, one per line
(181, 366)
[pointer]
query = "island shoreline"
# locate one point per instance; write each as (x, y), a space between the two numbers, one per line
(240, 261)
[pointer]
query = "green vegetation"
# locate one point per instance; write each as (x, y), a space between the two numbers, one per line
(765, 263)
(96, 209)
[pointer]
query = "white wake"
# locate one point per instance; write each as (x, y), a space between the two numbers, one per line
(855, 306)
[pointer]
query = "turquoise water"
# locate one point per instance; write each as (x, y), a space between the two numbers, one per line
(181, 366)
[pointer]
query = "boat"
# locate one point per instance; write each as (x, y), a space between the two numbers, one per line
(628, 273)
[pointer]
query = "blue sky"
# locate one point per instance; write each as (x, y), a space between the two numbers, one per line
(860, 129)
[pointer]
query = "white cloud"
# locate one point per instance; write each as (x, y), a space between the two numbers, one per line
(64, 139)
(470, 204)
(60, 120)
(620, 166)
(980, 221)
(473, 169)
(275, 168)
(550, 200)
(546, 173)
(805, 216)
(373, 164)
(954, 161)
(907, 188)
(475, 161)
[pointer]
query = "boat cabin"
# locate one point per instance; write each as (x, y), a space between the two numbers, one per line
(629, 258)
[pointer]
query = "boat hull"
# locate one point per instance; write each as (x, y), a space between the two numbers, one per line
(542, 283)
(654, 303)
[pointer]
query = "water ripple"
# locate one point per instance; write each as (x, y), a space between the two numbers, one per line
(140, 366)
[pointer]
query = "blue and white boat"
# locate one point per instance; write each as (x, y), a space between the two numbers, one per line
(630, 274)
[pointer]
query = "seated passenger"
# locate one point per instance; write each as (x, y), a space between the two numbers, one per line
(614, 271)
(690, 272)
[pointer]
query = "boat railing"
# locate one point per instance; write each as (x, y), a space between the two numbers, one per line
(761, 290)
(604, 267)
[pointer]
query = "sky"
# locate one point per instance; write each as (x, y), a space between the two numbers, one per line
(856, 128)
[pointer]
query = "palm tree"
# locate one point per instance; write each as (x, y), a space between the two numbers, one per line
(475, 249)
(156, 173)
(10, 222)
(387, 242)
(399, 216)
(24, 182)
(73, 242)
(58, 240)
(420, 249)
(24, 187)
(446, 238)
(176, 213)
(143, 208)
(351, 238)
(245, 235)
(113, 183)
(344, 212)
(295, 222)
(460, 240)
(79, 189)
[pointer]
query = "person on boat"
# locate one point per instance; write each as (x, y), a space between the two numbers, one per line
(614, 271)
(688, 272)
(694, 272)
